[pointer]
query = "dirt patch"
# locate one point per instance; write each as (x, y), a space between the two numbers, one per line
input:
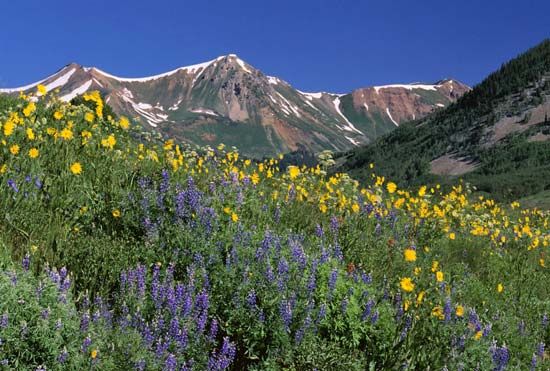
(208, 137)
(449, 165)
(539, 137)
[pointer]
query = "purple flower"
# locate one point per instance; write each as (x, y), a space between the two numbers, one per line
(13, 185)
(332, 279)
(368, 309)
(63, 356)
(171, 363)
(86, 343)
(251, 299)
(26, 262)
(447, 309)
(500, 356)
(285, 310)
(4, 321)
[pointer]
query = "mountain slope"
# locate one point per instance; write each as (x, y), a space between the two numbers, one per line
(496, 136)
(227, 100)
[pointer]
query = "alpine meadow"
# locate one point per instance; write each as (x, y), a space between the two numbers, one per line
(214, 217)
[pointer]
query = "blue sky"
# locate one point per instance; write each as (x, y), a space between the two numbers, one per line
(333, 45)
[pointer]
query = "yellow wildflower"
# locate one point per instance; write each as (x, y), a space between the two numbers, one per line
(407, 284)
(58, 115)
(410, 255)
(41, 89)
(293, 172)
(459, 310)
(33, 153)
(76, 168)
(89, 117)
(391, 187)
(234, 217)
(116, 213)
(14, 149)
(439, 276)
(500, 288)
(27, 111)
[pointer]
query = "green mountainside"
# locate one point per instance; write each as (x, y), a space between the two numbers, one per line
(496, 136)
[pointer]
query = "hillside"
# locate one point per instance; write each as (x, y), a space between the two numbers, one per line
(119, 251)
(226, 100)
(496, 136)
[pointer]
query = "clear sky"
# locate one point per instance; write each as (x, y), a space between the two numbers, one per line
(315, 45)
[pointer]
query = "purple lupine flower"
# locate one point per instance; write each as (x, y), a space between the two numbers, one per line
(338, 255)
(4, 320)
(58, 324)
(473, 320)
(533, 363)
(251, 299)
(332, 279)
(26, 262)
(298, 254)
(447, 309)
(366, 278)
(171, 363)
(282, 270)
(13, 185)
(500, 356)
(213, 330)
(45, 313)
(406, 327)
(540, 349)
(285, 310)
(38, 183)
(319, 231)
(544, 321)
(398, 306)
(140, 365)
(84, 321)
(368, 309)
(63, 356)
(86, 343)
(322, 313)
(334, 224)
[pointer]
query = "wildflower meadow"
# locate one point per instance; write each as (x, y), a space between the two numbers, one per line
(122, 250)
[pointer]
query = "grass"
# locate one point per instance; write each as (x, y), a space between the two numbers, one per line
(170, 257)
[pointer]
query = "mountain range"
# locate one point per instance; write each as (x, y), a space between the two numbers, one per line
(226, 100)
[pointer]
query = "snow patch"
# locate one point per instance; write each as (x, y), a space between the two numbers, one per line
(310, 96)
(243, 66)
(353, 141)
(205, 111)
(290, 105)
(349, 127)
(97, 82)
(61, 80)
(80, 90)
(366, 106)
(189, 69)
(175, 106)
(440, 105)
(391, 118)
(407, 86)
(272, 80)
